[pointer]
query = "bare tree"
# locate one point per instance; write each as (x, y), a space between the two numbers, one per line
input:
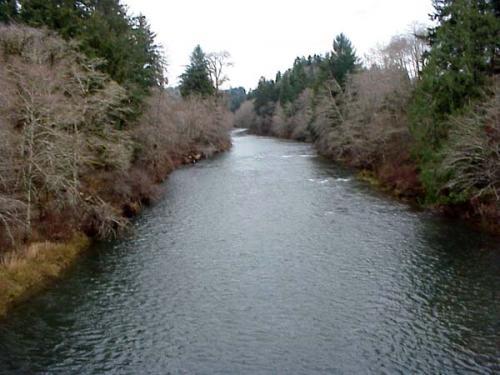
(404, 52)
(245, 116)
(65, 158)
(279, 125)
(218, 62)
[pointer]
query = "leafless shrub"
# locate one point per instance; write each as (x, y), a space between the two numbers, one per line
(301, 116)
(102, 219)
(327, 117)
(473, 153)
(11, 210)
(171, 127)
(279, 127)
(373, 121)
(404, 52)
(293, 121)
(245, 116)
(63, 150)
(57, 121)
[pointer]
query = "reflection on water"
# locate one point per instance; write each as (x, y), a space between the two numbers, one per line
(270, 259)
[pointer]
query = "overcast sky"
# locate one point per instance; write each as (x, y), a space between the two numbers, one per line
(264, 36)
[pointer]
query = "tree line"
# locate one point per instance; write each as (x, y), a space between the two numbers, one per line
(421, 113)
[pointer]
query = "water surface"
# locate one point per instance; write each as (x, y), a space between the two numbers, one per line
(269, 259)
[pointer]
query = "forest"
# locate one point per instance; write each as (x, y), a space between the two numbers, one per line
(88, 128)
(418, 116)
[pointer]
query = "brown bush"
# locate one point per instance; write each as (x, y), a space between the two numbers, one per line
(472, 159)
(66, 158)
(373, 126)
(245, 116)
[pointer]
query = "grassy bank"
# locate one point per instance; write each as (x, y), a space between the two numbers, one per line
(26, 272)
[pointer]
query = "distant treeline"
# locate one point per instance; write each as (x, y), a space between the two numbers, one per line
(421, 113)
(87, 128)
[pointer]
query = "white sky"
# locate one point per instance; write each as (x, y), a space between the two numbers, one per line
(264, 36)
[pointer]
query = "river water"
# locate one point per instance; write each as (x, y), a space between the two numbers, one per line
(269, 259)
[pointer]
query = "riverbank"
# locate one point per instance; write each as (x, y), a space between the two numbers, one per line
(31, 269)
(80, 153)
(244, 246)
(26, 272)
(398, 175)
(401, 181)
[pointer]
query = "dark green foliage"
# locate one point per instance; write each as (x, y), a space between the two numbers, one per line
(264, 97)
(196, 79)
(236, 95)
(65, 16)
(104, 30)
(317, 72)
(461, 59)
(127, 44)
(8, 10)
(343, 59)
(311, 72)
(464, 55)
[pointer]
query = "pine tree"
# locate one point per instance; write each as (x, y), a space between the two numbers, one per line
(196, 79)
(65, 16)
(464, 46)
(105, 31)
(455, 78)
(343, 59)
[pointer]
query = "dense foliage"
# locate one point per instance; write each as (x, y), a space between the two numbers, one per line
(196, 79)
(458, 75)
(314, 72)
(8, 10)
(236, 96)
(103, 30)
(67, 163)
(422, 114)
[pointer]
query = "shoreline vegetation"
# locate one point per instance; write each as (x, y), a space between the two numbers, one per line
(89, 130)
(28, 270)
(420, 115)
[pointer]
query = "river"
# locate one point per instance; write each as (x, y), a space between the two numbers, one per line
(269, 259)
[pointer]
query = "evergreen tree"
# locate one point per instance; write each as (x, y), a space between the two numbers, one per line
(285, 89)
(8, 10)
(65, 16)
(464, 47)
(265, 95)
(343, 59)
(150, 67)
(236, 96)
(455, 78)
(104, 30)
(196, 78)
(298, 78)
